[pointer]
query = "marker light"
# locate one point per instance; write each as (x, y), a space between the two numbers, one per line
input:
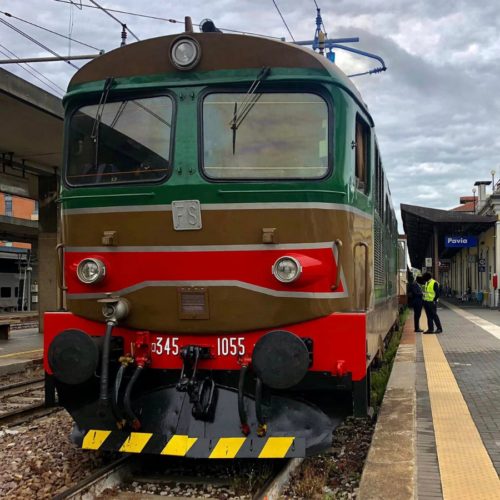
(185, 53)
(91, 271)
(287, 269)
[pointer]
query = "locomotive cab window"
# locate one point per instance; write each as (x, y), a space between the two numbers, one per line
(120, 142)
(5, 292)
(278, 136)
(362, 160)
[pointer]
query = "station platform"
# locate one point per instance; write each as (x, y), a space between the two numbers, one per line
(438, 430)
(24, 348)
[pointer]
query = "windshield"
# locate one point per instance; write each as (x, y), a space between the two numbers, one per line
(131, 143)
(282, 136)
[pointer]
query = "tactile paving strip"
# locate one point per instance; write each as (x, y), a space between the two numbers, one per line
(467, 472)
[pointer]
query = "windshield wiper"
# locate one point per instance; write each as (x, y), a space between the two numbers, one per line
(248, 103)
(100, 107)
(98, 116)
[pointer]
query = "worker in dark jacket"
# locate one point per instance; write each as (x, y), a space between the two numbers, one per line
(431, 298)
(418, 300)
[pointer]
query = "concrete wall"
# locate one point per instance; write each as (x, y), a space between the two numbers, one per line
(48, 223)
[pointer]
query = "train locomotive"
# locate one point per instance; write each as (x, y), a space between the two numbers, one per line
(229, 250)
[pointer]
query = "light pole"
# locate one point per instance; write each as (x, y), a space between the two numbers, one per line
(474, 191)
(493, 181)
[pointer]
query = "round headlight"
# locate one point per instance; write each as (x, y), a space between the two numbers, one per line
(91, 270)
(185, 53)
(287, 269)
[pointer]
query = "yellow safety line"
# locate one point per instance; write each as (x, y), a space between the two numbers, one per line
(467, 472)
(19, 353)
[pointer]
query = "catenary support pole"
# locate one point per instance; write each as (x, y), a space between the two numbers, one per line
(436, 254)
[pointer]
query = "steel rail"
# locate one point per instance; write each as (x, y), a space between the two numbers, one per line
(22, 411)
(20, 387)
(112, 476)
(95, 480)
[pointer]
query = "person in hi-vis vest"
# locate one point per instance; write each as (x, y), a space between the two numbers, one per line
(431, 298)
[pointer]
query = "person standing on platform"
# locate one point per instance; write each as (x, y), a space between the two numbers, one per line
(431, 297)
(418, 300)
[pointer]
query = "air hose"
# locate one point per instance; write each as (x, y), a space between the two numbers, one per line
(128, 393)
(262, 429)
(115, 408)
(241, 403)
(103, 393)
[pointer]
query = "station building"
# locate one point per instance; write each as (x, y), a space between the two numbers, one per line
(459, 245)
(30, 166)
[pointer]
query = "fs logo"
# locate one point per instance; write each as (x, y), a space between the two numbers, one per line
(187, 215)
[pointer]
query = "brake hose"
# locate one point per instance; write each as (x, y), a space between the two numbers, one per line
(261, 431)
(103, 394)
(241, 403)
(134, 421)
(115, 409)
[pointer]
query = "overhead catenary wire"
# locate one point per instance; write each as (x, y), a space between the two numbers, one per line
(283, 19)
(32, 73)
(116, 19)
(157, 18)
(50, 31)
(40, 44)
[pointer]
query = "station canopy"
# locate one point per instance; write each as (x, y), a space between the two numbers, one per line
(420, 223)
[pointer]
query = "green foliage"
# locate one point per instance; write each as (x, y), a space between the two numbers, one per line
(380, 377)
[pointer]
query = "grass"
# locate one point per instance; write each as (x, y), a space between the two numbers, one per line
(380, 377)
(248, 478)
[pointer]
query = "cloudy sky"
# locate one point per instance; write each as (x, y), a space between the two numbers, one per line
(437, 108)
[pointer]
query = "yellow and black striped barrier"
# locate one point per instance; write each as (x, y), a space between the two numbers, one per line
(192, 447)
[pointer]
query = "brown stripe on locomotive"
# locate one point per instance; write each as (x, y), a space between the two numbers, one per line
(232, 308)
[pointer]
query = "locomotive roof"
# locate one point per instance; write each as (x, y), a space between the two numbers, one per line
(219, 52)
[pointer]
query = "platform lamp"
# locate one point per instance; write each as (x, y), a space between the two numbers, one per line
(493, 181)
(474, 191)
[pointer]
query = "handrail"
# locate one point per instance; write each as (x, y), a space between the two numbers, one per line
(60, 281)
(93, 196)
(367, 273)
(263, 191)
(339, 246)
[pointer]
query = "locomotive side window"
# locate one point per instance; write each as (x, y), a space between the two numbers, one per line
(362, 155)
(279, 136)
(5, 292)
(120, 142)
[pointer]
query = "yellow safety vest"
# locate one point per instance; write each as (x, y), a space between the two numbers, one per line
(429, 293)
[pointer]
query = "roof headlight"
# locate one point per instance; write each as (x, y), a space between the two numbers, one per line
(287, 269)
(185, 53)
(91, 271)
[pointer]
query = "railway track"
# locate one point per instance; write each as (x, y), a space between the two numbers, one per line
(22, 400)
(130, 478)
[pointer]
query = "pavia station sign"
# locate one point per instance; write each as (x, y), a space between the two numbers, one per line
(460, 241)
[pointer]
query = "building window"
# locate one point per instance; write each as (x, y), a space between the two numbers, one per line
(362, 155)
(35, 211)
(5, 292)
(8, 205)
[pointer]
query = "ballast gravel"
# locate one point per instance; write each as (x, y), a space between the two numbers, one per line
(335, 474)
(38, 460)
